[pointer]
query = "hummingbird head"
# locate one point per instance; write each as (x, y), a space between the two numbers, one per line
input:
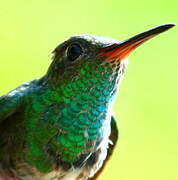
(79, 56)
(95, 59)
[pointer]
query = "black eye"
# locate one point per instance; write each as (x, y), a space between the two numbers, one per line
(74, 51)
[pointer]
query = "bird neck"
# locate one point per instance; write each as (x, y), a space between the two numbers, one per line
(84, 115)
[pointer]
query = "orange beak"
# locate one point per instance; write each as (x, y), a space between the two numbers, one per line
(123, 49)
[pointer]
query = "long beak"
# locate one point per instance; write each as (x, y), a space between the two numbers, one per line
(123, 49)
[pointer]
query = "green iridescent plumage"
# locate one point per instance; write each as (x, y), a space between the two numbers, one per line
(61, 125)
(78, 125)
(66, 112)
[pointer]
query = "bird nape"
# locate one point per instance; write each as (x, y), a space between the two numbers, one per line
(60, 126)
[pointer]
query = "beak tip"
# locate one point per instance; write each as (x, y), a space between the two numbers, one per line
(169, 25)
(163, 27)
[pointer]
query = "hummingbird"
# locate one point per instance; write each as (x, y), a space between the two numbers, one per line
(61, 126)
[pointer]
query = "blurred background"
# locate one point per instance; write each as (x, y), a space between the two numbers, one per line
(146, 108)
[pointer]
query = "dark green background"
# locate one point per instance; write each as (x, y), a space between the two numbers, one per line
(147, 107)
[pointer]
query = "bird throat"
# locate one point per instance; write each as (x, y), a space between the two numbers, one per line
(84, 118)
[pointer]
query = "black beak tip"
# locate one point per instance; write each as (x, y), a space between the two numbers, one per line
(161, 28)
(168, 26)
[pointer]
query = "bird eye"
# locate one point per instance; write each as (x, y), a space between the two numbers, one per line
(74, 51)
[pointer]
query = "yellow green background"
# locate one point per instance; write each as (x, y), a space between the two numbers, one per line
(147, 106)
